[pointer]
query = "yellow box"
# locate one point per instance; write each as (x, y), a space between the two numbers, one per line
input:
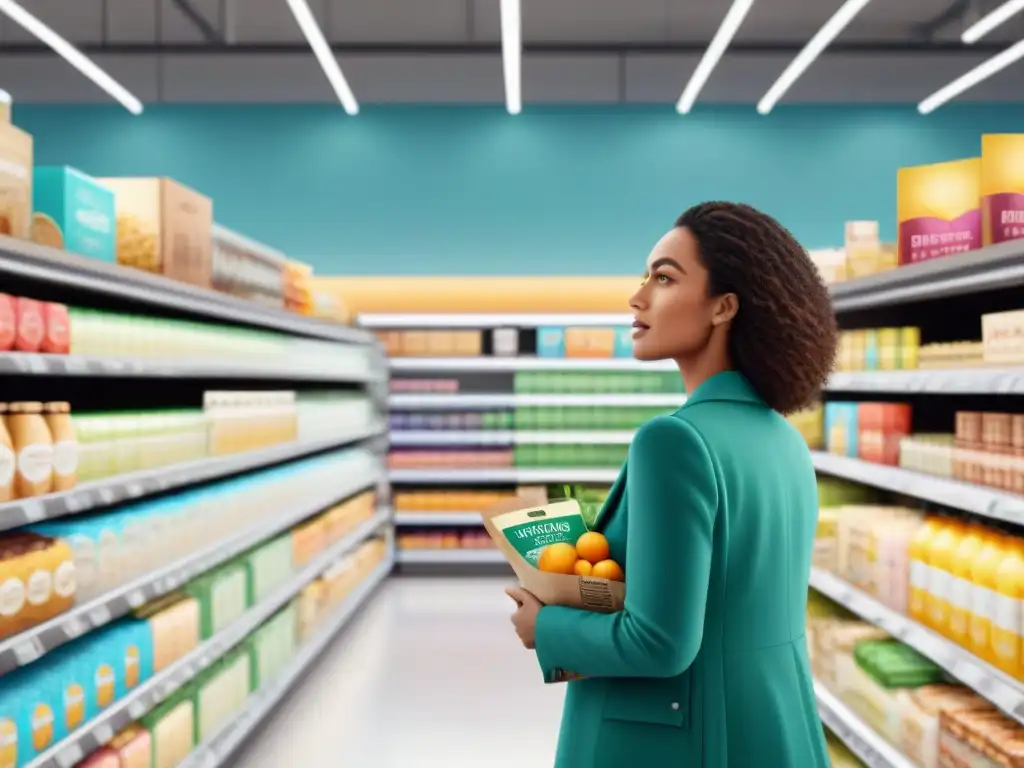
(938, 209)
(1002, 187)
(15, 181)
(164, 227)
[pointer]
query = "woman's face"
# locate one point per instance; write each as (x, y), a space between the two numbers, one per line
(672, 312)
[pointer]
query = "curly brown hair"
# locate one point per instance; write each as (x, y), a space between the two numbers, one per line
(783, 338)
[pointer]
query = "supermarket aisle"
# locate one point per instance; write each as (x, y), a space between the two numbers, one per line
(430, 675)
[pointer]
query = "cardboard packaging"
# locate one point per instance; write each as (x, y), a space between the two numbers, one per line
(164, 227)
(560, 521)
(1002, 187)
(15, 181)
(938, 209)
(74, 212)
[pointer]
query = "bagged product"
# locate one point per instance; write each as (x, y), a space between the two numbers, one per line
(521, 531)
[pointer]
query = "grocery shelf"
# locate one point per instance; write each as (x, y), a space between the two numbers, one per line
(983, 501)
(500, 364)
(449, 557)
(503, 475)
(991, 268)
(385, 321)
(32, 364)
(128, 487)
(991, 683)
(509, 437)
(873, 750)
(439, 519)
(456, 400)
(98, 731)
(966, 381)
(218, 750)
(20, 258)
(26, 647)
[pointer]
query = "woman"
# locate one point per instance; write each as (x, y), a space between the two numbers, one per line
(713, 518)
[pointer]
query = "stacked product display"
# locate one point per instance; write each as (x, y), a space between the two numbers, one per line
(155, 225)
(169, 570)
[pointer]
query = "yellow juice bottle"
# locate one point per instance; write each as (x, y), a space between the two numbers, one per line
(960, 597)
(1006, 624)
(920, 568)
(941, 553)
(983, 574)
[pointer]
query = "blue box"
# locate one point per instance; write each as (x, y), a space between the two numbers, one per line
(551, 342)
(623, 342)
(841, 428)
(74, 212)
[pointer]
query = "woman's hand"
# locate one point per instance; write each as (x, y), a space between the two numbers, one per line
(525, 617)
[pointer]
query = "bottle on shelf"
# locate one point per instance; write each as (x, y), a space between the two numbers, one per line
(941, 557)
(8, 462)
(960, 596)
(920, 568)
(1006, 625)
(65, 445)
(983, 575)
(33, 447)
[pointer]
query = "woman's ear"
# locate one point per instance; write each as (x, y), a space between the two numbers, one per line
(726, 307)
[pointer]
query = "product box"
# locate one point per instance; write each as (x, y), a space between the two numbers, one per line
(28, 723)
(1002, 336)
(589, 342)
(938, 209)
(74, 212)
(164, 227)
(624, 342)
(1002, 187)
(172, 730)
(550, 342)
(15, 181)
(841, 435)
(222, 596)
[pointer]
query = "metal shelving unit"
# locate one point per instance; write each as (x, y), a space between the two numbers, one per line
(966, 381)
(986, 502)
(857, 735)
(437, 519)
(459, 400)
(98, 731)
(26, 260)
(503, 475)
(510, 437)
(450, 557)
(219, 750)
(135, 485)
(993, 684)
(24, 648)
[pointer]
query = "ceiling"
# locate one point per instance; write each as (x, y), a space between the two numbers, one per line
(448, 51)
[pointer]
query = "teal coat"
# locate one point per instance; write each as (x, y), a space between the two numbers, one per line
(713, 518)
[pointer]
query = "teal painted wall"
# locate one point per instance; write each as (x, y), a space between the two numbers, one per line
(451, 190)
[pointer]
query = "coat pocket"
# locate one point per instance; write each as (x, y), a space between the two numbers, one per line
(658, 701)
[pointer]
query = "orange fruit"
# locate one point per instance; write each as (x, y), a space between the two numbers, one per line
(608, 569)
(592, 547)
(583, 568)
(558, 558)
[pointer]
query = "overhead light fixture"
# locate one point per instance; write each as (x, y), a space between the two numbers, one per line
(324, 55)
(70, 54)
(715, 50)
(512, 54)
(991, 20)
(965, 82)
(821, 40)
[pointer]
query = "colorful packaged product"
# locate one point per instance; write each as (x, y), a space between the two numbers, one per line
(73, 212)
(550, 342)
(1002, 187)
(938, 209)
(841, 428)
(15, 181)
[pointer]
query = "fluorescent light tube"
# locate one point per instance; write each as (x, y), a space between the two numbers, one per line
(715, 50)
(70, 54)
(829, 32)
(965, 82)
(512, 54)
(991, 20)
(315, 37)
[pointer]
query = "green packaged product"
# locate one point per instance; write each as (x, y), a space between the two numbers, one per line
(223, 596)
(529, 531)
(268, 567)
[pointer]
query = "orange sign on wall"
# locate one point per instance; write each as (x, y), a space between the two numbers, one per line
(463, 295)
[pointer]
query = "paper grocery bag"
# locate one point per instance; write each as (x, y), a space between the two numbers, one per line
(520, 530)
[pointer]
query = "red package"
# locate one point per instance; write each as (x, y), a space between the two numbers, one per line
(8, 323)
(57, 337)
(31, 326)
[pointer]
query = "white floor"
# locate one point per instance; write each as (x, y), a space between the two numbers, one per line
(430, 675)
